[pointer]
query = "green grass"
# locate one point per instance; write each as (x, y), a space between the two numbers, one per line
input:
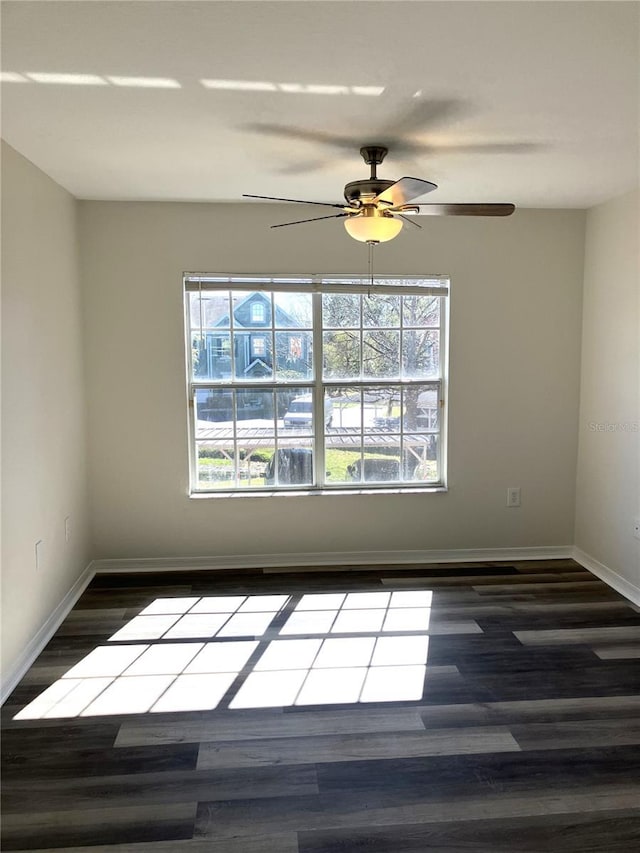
(207, 462)
(336, 462)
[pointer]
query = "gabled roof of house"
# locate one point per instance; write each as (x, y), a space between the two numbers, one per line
(283, 318)
(257, 362)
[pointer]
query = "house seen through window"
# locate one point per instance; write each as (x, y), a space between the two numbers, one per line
(316, 383)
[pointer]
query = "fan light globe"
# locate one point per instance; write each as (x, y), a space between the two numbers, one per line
(373, 226)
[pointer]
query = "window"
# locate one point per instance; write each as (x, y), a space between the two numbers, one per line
(343, 388)
(258, 312)
(259, 347)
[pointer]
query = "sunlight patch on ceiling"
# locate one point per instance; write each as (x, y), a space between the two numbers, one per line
(12, 77)
(127, 81)
(291, 88)
(67, 79)
(144, 82)
(63, 79)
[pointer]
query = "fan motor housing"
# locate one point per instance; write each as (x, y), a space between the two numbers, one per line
(371, 187)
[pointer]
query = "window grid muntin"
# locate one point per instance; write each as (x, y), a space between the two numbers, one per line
(435, 286)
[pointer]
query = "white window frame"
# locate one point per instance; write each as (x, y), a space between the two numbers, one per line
(433, 285)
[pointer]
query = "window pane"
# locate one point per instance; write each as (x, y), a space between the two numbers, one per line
(341, 461)
(209, 311)
(419, 311)
(293, 310)
(341, 354)
(340, 311)
(294, 355)
(420, 353)
(214, 410)
(251, 309)
(421, 408)
(296, 405)
(211, 355)
(371, 409)
(215, 464)
(343, 439)
(225, 465)
(252, 355)
(254, 412)
(253, 459)
(346, 409)
(380, 310)
(381, 354)
(382, 460)
(291, 465)
(299, 416)
(382, 409)
(328, 411)
(422, 453)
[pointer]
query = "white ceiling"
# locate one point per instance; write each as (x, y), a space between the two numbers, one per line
(534, 103)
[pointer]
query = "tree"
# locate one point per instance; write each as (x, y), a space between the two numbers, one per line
(382, 355)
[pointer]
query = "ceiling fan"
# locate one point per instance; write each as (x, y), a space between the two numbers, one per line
(376, 209)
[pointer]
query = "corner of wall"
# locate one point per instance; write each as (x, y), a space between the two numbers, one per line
(44, 480)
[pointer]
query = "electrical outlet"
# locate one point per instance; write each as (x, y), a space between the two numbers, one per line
(513, 496)
(39, 549)
(67, 529)
(636, 528)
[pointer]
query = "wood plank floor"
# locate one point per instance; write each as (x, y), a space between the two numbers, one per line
(522, 732)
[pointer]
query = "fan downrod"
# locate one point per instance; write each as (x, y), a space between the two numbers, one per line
(360, 192)
(373, 155)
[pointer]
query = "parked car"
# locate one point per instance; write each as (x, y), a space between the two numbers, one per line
(294, 466)
(300, 412)
(391, 424)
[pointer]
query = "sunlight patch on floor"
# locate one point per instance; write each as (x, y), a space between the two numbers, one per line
(208, 667)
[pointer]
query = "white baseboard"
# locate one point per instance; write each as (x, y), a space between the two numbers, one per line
(611, 578)
(330, 558)
(45, 633)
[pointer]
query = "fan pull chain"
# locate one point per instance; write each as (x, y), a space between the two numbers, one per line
(371, 245)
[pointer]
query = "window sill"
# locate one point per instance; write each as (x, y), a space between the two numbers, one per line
(422, 490)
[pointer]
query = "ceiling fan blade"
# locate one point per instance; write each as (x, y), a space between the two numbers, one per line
(466, 209)
(294, 200)
(404, 191)
(484, 147)
(300, 134)
(315, 219)
(305, 167)
(422, 115)
(408, 219)
(391, 139)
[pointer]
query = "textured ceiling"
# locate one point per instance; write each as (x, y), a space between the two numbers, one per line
(534, 103)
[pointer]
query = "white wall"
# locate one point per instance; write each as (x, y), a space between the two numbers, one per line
(608, 490)
(515, 349)
(43, 409)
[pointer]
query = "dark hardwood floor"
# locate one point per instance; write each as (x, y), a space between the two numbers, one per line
(484, 707)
